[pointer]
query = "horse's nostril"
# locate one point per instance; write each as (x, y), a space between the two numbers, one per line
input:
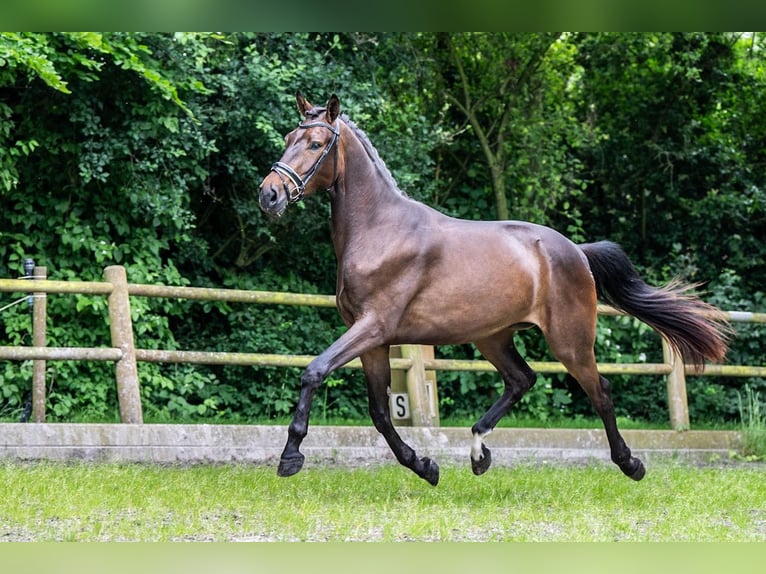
(269, 196)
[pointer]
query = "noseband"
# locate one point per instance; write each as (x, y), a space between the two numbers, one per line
(284, 170)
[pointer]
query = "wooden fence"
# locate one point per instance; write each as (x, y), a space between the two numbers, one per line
(412, 360)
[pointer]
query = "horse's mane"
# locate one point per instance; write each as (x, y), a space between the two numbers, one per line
(372, 153)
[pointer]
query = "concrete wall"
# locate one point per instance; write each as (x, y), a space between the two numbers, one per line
(188, 444)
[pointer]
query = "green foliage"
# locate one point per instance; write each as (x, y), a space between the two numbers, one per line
(503, 94)
(146, 149)
(95, 189)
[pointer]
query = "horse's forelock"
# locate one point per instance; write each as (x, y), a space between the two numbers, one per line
(315, 112)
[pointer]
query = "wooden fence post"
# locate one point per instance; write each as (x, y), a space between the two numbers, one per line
(121, 327)
(39, 336)
(676, 384)
(421, 390)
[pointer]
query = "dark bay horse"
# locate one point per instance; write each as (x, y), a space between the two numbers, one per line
(409, 274)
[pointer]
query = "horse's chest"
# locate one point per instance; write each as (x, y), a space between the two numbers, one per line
(349, 296)
(354, 287)
(367, 282)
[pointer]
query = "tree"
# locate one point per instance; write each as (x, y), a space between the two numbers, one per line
(655, 104)
(504, 93)
(673, 153)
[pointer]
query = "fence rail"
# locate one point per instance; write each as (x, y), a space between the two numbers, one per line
(125, 356)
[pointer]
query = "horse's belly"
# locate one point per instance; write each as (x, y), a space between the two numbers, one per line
(454, 320)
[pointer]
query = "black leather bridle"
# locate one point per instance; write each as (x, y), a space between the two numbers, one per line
(283, 170)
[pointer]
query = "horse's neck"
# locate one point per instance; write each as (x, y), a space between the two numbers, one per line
(362, 209)
(364, 201)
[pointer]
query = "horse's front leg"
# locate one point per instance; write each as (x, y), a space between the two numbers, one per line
(360, 337)
(377, 370)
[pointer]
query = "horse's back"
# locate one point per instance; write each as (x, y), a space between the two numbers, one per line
(475, 278)
(522, 245)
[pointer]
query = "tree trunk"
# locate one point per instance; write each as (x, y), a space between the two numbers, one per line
(498, 187)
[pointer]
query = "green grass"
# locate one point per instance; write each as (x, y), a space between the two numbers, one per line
(753, 424)
(111, 502)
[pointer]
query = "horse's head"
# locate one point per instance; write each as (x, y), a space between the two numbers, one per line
(302, 169)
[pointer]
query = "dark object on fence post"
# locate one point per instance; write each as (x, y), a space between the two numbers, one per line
(121, 325)
(29, 270)
(26, 413)
(39, 337)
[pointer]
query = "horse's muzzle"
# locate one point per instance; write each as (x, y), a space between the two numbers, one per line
(272, 199)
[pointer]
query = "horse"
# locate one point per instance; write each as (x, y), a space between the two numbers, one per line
(409, 274)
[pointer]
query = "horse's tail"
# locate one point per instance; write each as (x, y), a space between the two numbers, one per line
(696, 330)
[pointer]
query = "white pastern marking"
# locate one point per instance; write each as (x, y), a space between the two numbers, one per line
(476, 447)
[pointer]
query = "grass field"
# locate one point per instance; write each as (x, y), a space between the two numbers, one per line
(111, 502)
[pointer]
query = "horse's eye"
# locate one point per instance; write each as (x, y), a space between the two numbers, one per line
(314, 145)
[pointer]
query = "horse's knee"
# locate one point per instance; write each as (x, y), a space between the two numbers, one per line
(311, 378)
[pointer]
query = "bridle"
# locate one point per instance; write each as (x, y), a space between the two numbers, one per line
(283, 170)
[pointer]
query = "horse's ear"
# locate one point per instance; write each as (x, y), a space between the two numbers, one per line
(333, 109)
(303, 103)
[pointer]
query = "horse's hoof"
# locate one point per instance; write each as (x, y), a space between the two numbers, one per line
(430, 471)
(290, 466)
(638, 472)
(480, 466)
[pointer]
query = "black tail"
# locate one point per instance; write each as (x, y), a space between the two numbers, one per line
(696, 330)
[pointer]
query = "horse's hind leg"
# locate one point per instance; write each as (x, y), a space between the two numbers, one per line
(518, 378)
(377, 371)
(579, 359)
(621, 456)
